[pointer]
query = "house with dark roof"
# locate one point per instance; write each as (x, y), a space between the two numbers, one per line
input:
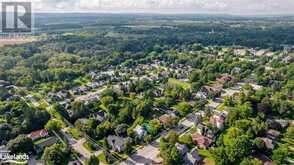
(182, 148)
(272, 124)
(273, 134)
(4, 83)
(263, 158)
(283, 123)
(205, 131)
(268, 143)
(100, 116)
(193, 158)
(117, 143)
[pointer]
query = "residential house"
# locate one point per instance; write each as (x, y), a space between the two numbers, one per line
(205, 131)
(124, 86)
(38, 134)
(224, 79)
(201, 95)
(92, 75)
(92, 85)
(263, 158)
(197, 118)
(272, 124)
(214, 90)
(4, 83)
(79, 90)
(193, 158)
(100, 116)
(273, 134)
(65, 103)
(76, 162)
(288, 59)
(165, 120)
(201, 141)
(268, 143)
(240, 52)
(140, 132)
(236, 70)
(283, 123)
(159, 92)
(218, 121)
(182, 148)
(117, 143)
(13, 97)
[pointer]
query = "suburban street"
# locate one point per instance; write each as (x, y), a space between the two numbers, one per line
(149, 154)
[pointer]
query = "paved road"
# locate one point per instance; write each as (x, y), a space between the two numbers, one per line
(69, 138)
(78, 146)
(149, 154)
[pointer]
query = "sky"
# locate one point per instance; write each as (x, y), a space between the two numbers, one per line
(238, 7)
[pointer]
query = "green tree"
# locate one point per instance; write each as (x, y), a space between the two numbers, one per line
(195, 76)
(290, 132)
(3, 93)
(169, 152)
(55, 155)
(251, 161)
(155, 127)
(238, 148)
(184, 108)
(186, 139)
(21, 144)
(53, 125)
(280, 154)
(79, 110)
(121, 130)
(93, 160)
(106, 101)
(220, 156)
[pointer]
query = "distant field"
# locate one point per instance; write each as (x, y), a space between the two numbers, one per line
(179, 83)
(16, 41)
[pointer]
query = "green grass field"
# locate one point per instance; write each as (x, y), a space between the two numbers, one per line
(179, 83)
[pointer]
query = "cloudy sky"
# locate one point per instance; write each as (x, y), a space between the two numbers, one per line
(169, 6)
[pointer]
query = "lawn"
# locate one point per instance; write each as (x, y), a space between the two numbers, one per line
(41, 140)
(88, 147)
(102, 158)
(179, 83)
(74, 133)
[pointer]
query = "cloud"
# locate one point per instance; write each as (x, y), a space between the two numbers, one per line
(176, 6)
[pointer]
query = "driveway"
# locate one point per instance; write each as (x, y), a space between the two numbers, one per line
(69, 138)
(78, 146)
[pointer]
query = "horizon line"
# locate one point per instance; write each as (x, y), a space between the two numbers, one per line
(165, 13)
